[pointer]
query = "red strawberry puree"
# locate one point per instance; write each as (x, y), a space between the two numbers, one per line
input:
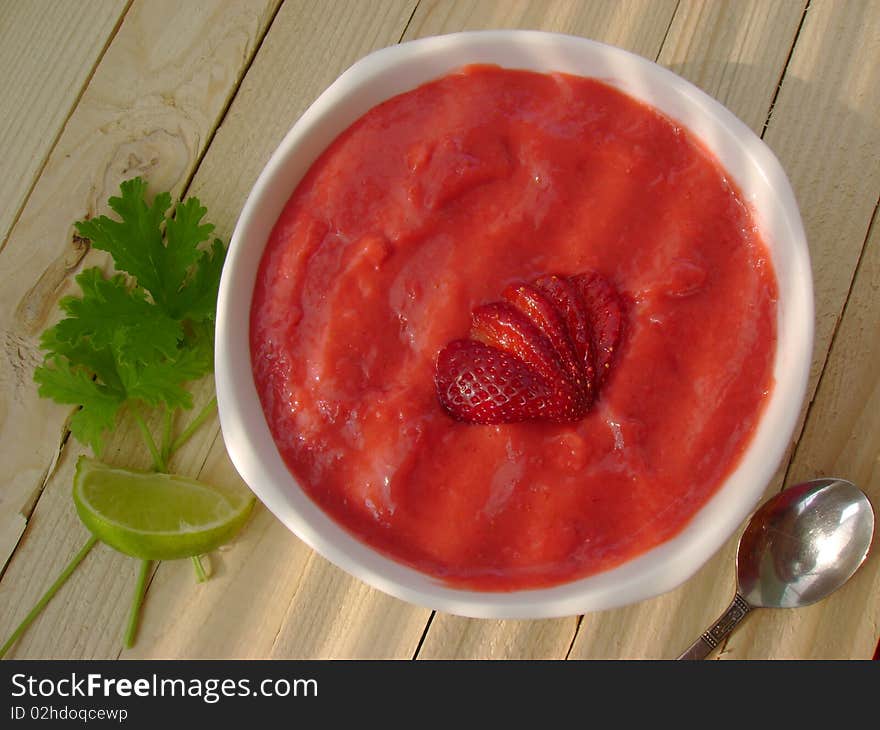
(427, 208)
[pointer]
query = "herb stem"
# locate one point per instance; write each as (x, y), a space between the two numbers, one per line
(136, 603)
(201, 576)
(158, 461)
(166, 435)
(203, 415)
(47, 596)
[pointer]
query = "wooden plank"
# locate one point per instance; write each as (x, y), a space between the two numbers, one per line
(454, 637)
(149, 109)
(824, 131)
(821, 128)
(841, 438)
(611, 22)
(48, 49)
(735, 52)
(275, 598)
(335, 616)
(268, 595)
(637, 25)
(237, 612)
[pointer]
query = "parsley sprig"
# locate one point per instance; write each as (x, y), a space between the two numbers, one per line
(133, 340)
(137, 340)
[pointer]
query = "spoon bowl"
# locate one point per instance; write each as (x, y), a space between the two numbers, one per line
(799, 547)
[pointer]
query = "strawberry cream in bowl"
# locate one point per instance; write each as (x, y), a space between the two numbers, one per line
(514, 324)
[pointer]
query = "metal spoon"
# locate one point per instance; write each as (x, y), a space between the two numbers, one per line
(799, 547)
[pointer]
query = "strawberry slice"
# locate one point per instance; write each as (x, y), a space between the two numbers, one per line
(478, 383)
(606, 319)
(503, 326)
(541, 354)
(543, 314)
(569, 302)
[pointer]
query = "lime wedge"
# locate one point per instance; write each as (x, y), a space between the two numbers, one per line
(156, 516)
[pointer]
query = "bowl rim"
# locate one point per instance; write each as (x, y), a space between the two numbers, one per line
(652, 573)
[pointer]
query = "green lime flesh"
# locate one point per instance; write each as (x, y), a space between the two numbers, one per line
(156, 516)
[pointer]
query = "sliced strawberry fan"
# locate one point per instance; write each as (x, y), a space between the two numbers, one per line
(543, 353)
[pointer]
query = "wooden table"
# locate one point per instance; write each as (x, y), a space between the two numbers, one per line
(195, 95)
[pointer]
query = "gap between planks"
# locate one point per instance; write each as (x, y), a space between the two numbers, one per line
(577, 628)
(797, 441)
(65, 434)
(580, 619)
(660, 47)
(785, 69)
(872, 221)
(39, 171)
(433, 613)
(399, 41)
(184, 190)
(656, 59)
(424, 635)
(154, 567)
(210, 137)
(415, 7)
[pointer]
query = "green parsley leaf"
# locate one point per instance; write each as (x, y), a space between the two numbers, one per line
(184, 233)
(162, 267)
(64, 383)
(111, 313)
(139, 338)
(135, 339)
(197, 301)
(99, 362)
(135, 242)
(162, 382)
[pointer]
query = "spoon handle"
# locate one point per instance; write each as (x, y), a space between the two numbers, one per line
(717, 632)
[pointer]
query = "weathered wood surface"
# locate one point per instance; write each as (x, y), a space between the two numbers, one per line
(195, 97)
(149, 108)
(48, 51)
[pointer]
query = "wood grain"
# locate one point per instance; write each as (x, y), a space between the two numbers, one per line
(48, 50)
(824, 130)
(149, 109)
(637, 25)
(454, 637)
(335, 616)
(816, 131)
(842, 438)
(823, 127)
(735, 52)
(280, 600)
(152, 108)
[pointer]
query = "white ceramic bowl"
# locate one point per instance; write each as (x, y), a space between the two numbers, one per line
(400, 68)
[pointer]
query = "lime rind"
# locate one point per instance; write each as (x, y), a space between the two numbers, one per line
(129, 538)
